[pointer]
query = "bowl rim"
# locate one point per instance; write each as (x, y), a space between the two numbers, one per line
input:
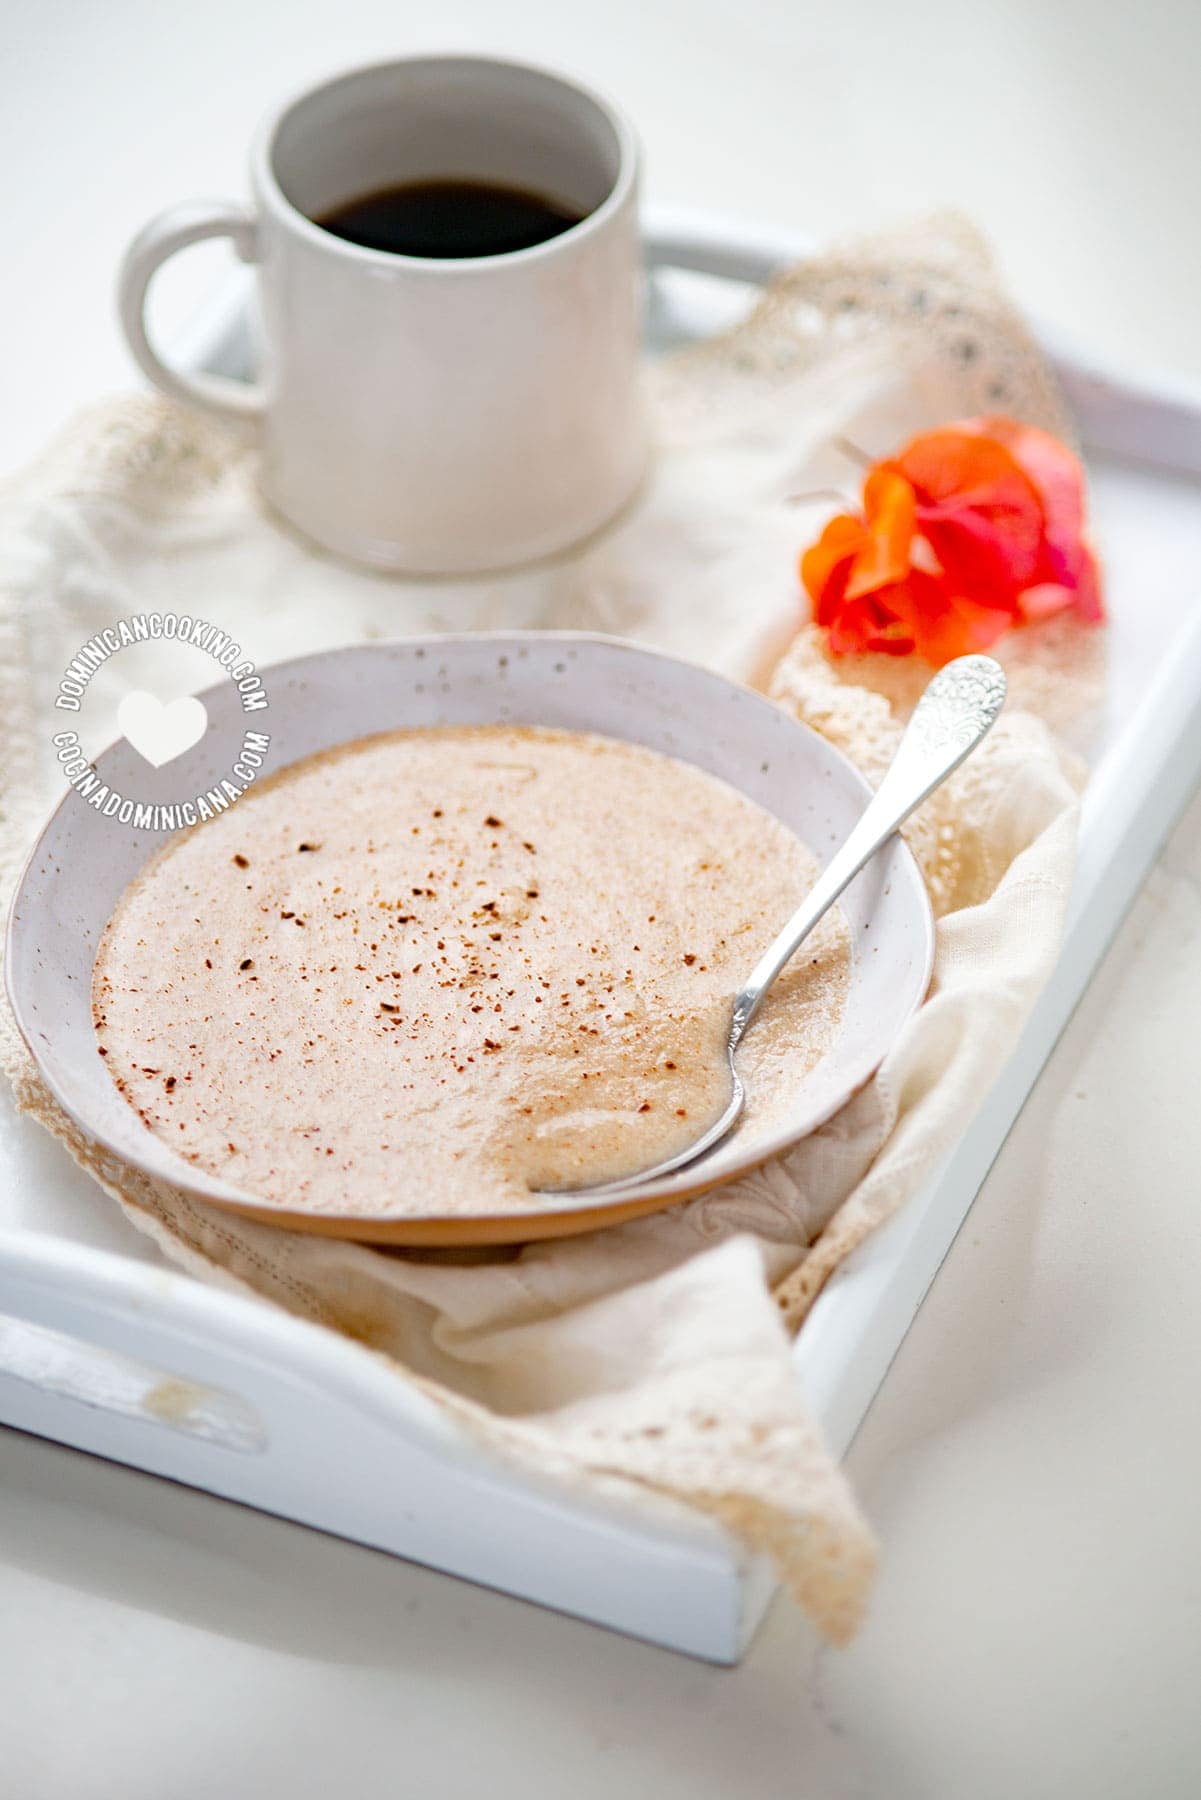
(429, 1228)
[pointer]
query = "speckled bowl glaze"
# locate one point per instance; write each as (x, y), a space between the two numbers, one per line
(82, 863)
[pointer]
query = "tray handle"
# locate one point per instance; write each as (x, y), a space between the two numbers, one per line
(737, 251)
(219, 1366)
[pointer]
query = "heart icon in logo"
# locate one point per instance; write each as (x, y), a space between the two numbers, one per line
(161, 733)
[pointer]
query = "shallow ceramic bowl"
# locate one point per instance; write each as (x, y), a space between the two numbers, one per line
(83, 862)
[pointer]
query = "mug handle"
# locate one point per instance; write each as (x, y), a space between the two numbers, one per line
(175, 229)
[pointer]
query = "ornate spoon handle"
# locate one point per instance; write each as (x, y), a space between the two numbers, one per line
(954, 713)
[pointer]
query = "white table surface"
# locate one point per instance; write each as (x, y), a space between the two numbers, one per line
(1033, 1461)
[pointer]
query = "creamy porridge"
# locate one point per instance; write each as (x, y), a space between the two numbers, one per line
(436, 970)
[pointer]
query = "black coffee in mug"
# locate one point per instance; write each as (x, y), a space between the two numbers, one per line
(444, 413)
(449, 219)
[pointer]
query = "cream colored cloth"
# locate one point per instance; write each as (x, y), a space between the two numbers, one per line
(656, 1355)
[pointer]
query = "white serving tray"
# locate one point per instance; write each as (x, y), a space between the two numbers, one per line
(105, 1348)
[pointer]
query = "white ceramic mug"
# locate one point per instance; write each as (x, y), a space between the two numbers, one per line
(426, 414)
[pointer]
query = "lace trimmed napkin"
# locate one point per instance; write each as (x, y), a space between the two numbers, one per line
(657, 1355)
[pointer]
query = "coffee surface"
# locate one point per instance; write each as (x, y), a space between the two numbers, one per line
(449, 219)
(439, 970)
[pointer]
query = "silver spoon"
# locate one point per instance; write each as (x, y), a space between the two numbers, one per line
(952, 716)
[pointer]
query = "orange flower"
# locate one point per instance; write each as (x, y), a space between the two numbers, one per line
(970, 530)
